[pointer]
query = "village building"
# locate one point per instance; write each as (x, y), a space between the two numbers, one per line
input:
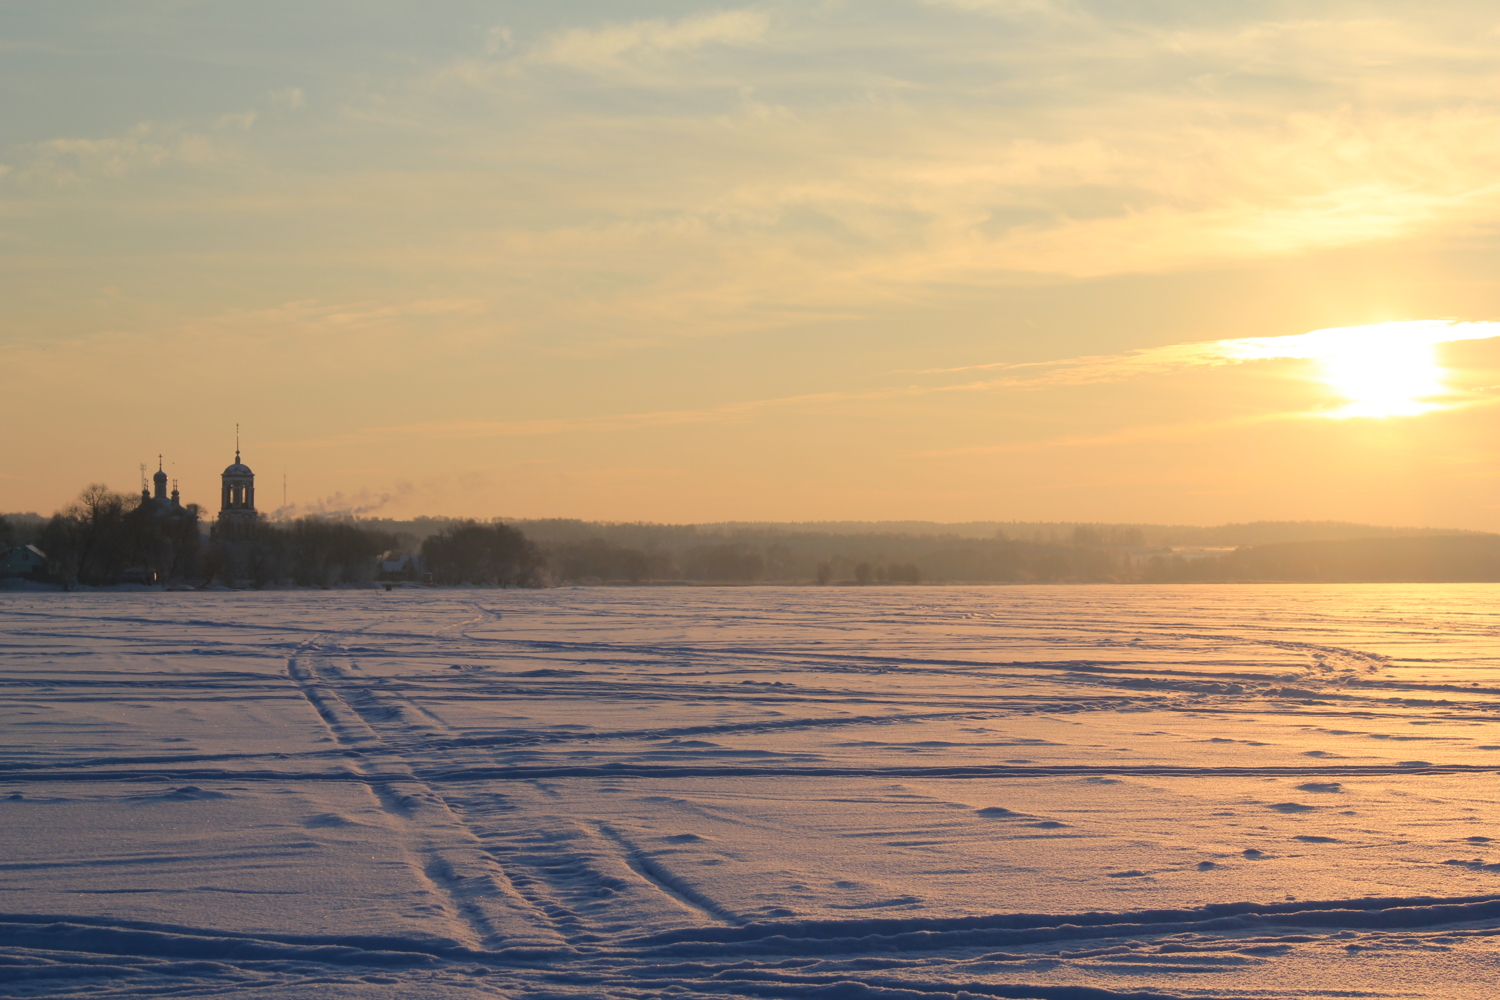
(22, 561)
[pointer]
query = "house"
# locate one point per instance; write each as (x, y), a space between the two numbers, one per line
(400, 568)
(23, 560)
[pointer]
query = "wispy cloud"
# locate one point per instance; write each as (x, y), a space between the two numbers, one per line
(614, 47)
(1315, 345)
(457, 430)
(445, 235)
(1048, 9)
(1123, 436)
(145, 146)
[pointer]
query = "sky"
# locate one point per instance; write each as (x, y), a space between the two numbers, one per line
(952, 260)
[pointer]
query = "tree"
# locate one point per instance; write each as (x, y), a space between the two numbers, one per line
(730, 561)
(470, 552)
(602, 560)
(88, 540)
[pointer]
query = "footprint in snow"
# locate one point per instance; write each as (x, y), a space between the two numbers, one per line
(187, 793)
(1326, 787)
(1291, 807)
(325, 820)
(1253, 854)
(879, 904)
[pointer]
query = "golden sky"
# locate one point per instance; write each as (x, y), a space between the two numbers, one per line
(950, 260)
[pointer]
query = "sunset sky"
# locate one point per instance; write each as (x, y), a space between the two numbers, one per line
(1187, 262)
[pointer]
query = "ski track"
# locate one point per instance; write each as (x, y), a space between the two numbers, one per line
(1052, 792)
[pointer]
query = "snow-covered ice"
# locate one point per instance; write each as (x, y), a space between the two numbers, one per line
(1050, 792)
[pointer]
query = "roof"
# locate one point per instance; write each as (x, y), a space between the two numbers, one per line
(238, 469)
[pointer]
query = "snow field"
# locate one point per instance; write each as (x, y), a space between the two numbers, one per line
(1057, 792)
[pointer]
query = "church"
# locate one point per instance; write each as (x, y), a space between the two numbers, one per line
(161, 504)
(164, 532)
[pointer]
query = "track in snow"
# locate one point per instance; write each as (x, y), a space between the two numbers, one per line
(901, 792)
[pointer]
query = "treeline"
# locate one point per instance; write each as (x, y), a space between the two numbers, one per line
(307, 552)
(674, 537)
(1089, 554)
(106, 537)
(1452, 559)
(839, 559)
(471, 552)
(317, 552)
(109, 537)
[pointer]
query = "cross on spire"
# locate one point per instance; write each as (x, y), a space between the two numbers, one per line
(236, 443)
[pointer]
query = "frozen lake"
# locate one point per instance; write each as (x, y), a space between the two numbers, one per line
(1050, 792)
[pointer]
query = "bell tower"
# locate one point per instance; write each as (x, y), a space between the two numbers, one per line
(237, 513)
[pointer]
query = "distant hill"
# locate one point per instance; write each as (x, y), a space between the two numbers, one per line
(1440, 559)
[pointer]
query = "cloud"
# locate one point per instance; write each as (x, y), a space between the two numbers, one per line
(1124, 436)
(291, 98)
(458, 430)
(1379, 370)
(145, 146)
(889, 168)
(1315, 345)
(619, 46)
(499, 41)
(1014, 9)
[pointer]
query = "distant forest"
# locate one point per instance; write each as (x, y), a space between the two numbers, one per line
(97, 545)
(106, 538)
(908, 552)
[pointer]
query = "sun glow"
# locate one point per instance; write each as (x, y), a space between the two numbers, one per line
(1381, 370)
(1384, 377)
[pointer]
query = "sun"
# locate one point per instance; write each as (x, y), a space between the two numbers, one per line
(1380, 370)
(1383, 376)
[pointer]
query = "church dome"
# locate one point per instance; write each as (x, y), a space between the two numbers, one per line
(160, 477)
(238, 468)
